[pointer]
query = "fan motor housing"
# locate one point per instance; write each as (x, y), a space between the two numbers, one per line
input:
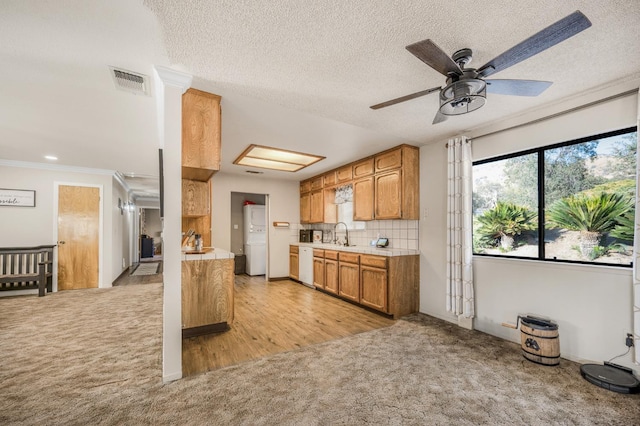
(463, 96)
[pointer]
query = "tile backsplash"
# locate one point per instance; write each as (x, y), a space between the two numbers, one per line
(402, 234)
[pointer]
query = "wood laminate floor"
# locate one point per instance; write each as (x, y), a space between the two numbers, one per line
(273, 317)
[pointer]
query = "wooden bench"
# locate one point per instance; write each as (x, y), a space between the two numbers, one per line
(23, 268)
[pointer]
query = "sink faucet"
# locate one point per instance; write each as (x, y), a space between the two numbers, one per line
(346, 230)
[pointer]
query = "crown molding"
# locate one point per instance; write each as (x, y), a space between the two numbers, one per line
(56, 167)
(174, 78)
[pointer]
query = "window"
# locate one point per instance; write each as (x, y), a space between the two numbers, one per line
(570, 202)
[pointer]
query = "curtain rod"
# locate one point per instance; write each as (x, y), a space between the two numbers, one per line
(558, 114)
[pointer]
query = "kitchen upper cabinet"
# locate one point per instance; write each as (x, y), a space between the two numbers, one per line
(330, 178)
(388, 195)
(317, 206)
(363, 195)
(397, 184)
(331, 277)
(389, 160)
(317, 183)
(363, 168)
(344, 174)
(305, 207)
(330, 207)
(201, 142)
(195, 198)
(294, 265)
(385, 186)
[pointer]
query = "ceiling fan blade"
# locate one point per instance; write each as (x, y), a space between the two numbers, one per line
(517, 87)
(439, 118)
(550, 36)
(404, 98)
(429, 53)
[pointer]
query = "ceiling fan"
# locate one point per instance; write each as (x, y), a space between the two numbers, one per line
(466, 88)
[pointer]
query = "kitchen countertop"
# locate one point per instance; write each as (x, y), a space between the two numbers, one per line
(207, 253)
(388, 251)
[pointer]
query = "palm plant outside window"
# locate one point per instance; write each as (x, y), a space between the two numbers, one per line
(570, 202)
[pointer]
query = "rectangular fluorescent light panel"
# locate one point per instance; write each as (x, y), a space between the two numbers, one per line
(266, 157)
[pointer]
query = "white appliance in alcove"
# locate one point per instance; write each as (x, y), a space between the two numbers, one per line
(255, 239)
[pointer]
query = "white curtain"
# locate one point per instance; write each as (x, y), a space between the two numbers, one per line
(636, 262)
(460, 299)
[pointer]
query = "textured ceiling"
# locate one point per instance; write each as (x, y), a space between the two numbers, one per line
(297, 75)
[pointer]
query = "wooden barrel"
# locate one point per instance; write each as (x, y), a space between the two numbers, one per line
(540, 340)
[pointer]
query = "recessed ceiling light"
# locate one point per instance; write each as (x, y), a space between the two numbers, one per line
(276, 159)
(51, 157)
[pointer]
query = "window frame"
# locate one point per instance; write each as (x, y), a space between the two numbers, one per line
(540, 151)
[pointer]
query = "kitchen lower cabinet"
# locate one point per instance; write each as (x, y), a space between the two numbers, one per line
(294, 265)
(207, 296)
(389, 284)
(349, 276)
(318, 271)
(331, 278)
(373, 287)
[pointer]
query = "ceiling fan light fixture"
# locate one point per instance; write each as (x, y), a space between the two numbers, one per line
(463, 96)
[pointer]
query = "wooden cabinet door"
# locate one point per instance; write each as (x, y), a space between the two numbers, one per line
(330, 179)
(373, 287)
(201, 144)
(331, 279)
(344, 174)
(305, 207)
(195, 198)
(317, 206)
(207, 292)
(363, 199)
(363, 168)
(349, 281)
(318, 272)
(330, 207)
(388, 160)
(293, 266)
(388, 195)
(317, 183)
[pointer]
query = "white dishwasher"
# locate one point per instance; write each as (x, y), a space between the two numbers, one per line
(305, 263)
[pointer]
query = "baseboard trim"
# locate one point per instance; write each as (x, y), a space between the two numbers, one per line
(278, 279)
(205, 329)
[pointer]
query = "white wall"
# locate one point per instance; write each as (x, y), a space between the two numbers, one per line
(592, 304)
(284, 206)
(35, 226)
(122, 225)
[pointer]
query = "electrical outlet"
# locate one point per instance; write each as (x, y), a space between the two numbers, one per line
(629, 340)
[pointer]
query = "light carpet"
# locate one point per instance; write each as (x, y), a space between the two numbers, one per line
(94, 357)
(146, 269)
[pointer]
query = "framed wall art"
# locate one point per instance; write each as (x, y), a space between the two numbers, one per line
(17, 198)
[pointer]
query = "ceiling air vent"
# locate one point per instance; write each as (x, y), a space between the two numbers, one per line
(130, 81)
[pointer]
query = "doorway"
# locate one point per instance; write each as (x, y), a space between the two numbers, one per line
(150, 225)
(78, 235)
(250, 245)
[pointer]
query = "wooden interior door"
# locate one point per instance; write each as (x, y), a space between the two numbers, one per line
(78, 237)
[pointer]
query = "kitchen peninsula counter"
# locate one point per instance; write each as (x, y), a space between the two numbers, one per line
(207, 291)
